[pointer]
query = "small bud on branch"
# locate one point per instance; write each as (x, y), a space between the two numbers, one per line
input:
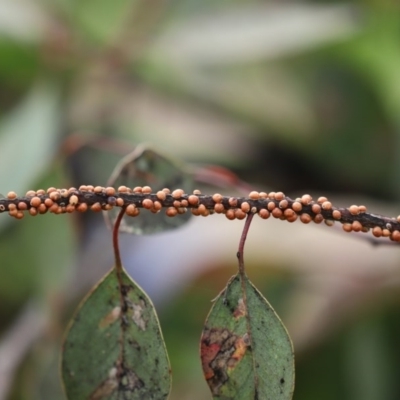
(275, 204)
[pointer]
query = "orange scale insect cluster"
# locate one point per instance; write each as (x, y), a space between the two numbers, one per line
(176, 202)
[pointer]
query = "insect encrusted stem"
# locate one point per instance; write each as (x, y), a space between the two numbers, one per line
(276, 204)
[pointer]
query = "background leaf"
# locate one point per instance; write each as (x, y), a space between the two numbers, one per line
(246, 351)
(146, 166)
(114, 346)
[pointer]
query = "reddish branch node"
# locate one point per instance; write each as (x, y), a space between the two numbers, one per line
(97, 198)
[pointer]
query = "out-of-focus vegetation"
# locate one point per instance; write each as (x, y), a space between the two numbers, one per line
(298, 97)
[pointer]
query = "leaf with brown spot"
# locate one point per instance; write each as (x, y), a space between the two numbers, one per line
(114, 348)
(245, 350)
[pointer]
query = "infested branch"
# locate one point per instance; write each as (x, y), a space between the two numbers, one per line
(266, 205)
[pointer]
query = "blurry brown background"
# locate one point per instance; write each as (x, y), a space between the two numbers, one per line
(301, 97)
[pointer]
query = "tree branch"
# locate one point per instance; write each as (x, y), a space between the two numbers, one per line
(275, 204)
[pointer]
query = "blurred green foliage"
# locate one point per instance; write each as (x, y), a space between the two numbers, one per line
(294, 97)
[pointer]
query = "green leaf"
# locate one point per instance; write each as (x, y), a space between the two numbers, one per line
(246, 351)
(146, 166)
(114, 347)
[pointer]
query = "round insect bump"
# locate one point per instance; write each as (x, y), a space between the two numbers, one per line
(166, 191)
(347, 227)
(201, 208)
(11, 195)
(177, 193)
(176, 203)
(326, 205)
(336, 214)
(356, 226)
(120, 202)
(230, 214)
(182, 210)
(398, 218)
(245, 207)
(161, 195)
(254, 195)
(124, 189)
(35, 201)
(195, 212)
(263, 195)
(395, 236)
(96, 207)
(98, 189)
(82, 207)
(22, 206)
(40, 192)
(171, 212)
(219, 208)
(283, 204)
(184, 203)
(362, 209)
(48, 202)
(354, 210)
(253, 210)
(329, 222)
(318, 218)
(147, 204)
(30, 193)
(288, 213)
(55, 196)
(73, 200)
(90, 188)
(193, 200)
(389, 226)
(196, 192)
(42, 209)
(322, 199)
(83, 188)
(53, 209)
(136, 189)
(385, 232)
(377, 231)
(12, 212)
(306, 199)
(271, 206)
(70, 208)
(264, 214)
(292, 218)
(130, 210)
(271, 195)
(33, 211)
(146, 190)
(316, 208)
(19, 215)
(157, 205)
(279, 196)
(305, 218)
(110, 191)
(297, 206)
(12, 207)
(217, 198)
(64, 193)
(240, 214)
(277, 213)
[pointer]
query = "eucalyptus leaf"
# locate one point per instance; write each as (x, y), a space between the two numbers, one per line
(146, 166)
(246, 352)
(114, 347)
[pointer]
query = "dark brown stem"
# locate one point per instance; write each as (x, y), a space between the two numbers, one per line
(117, 255)
(240, 253)
(283, 208)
